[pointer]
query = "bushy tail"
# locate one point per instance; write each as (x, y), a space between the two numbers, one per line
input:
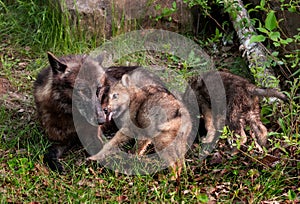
(268, 92)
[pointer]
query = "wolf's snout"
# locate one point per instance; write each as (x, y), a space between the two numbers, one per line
(101, 119)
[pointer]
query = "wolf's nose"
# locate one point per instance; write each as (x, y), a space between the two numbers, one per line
(101, 121)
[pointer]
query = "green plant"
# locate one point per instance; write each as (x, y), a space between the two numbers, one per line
(216, 38)
(226, 178)
(165, 12)
(270, 31)
(203, 4)
(20, 165)
(273, 35)
(41, 26)
(288, 119)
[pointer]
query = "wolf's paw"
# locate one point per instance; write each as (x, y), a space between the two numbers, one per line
(103, 154)
(54, 164)
(97, 157)
(207, 140)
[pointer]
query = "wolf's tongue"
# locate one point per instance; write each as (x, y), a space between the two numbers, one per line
(110, 116)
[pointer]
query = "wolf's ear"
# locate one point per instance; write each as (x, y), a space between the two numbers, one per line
(99, 58)
(56, 65)
(125, 80)
(103, 80)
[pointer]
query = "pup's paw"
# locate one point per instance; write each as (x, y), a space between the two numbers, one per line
(103, 154)
(97, 157)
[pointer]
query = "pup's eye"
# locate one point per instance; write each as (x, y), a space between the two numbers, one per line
(115, 96)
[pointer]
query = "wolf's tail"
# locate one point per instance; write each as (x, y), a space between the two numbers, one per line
(268, 92)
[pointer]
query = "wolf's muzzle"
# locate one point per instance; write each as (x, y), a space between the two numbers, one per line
(101, 116)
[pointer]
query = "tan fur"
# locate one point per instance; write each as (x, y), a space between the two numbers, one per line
(152, 115)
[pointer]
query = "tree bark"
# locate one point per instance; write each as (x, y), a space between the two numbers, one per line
(255, 52)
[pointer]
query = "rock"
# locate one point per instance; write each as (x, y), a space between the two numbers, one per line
(89, 16)
(107, 18)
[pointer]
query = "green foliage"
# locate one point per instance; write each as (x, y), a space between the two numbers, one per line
(165, 12)
(289, 116)
(216, 38)
(292, 195)
(29, 27)
(204, 5)
(257, 38)
(270, 32)
(41, 26)
(20, 165)
(271, 21)
(203, 198)
(274, 37)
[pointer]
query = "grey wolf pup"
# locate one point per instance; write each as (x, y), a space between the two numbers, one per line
(243, 107)
(150, 113)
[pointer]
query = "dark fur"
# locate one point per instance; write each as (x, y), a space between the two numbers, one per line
(243, 106)
(53, 91)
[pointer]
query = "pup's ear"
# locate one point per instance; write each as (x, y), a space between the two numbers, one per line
(56, 65)
(125, 80)
(100, 58)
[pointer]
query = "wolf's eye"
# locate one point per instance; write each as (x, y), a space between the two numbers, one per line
(115, 96)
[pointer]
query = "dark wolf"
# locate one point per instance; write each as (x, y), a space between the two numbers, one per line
(147, 111)
(54, 95)
(243, 104)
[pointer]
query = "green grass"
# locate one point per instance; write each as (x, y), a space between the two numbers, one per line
(40, 26)
(29, 29)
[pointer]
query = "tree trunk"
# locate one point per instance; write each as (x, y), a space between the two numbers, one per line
(255, 52)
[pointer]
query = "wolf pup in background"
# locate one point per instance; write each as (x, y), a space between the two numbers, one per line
(149, 113)
(53, 92)
(243, 107)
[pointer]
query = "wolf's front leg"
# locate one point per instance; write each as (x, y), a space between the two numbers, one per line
(140, 147)
(111, 147)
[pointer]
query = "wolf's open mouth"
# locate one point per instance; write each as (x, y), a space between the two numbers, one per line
(109, 116)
